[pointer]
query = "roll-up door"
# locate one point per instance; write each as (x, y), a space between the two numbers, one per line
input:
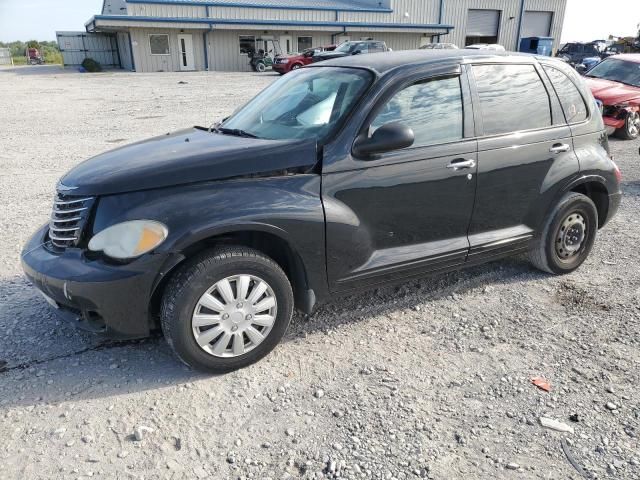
(536, 24)
(483, 23)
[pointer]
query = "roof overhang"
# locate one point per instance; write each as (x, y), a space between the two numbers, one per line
(119, 21)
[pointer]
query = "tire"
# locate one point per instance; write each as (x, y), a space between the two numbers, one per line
(631, 129)
(567, 237)
(261, 67)
(296, 66)
(181, 308)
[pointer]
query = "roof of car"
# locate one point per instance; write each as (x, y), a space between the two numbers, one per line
(385, 61)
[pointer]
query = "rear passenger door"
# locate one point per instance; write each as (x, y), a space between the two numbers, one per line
(525, 150)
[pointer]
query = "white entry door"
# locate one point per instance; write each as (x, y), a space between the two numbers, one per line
(286, 43)
(185, 44)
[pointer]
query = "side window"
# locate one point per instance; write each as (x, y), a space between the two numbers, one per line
(512, 98)
(432, 109)
(575, 110)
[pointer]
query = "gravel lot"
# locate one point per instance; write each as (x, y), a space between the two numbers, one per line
(429, 379)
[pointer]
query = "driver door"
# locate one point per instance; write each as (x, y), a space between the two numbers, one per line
(408, 211)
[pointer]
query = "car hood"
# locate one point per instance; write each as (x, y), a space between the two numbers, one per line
(188, 156)
(612, 93)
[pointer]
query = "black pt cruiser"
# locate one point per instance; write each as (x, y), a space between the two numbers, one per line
(341, 176)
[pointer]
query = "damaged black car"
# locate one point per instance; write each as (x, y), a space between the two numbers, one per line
(340, 176)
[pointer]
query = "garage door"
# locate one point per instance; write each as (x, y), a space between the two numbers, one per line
(536, 24)
(483, 23)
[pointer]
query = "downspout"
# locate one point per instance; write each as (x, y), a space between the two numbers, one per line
(333, 35)
(204, 38)
(440, 17)
(520, 25)
(133, 60)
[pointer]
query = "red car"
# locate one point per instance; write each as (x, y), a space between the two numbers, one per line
(615, 83)
(284, 64)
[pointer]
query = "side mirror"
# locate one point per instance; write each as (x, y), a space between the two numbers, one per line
(581, 69)
(389, 137)
(356, 52)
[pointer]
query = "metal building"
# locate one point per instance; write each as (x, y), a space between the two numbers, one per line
(175, 35)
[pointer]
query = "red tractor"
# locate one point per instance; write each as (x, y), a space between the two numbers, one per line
(34, 57)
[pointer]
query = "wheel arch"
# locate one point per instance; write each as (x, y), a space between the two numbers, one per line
(594, 187)
(268, 240)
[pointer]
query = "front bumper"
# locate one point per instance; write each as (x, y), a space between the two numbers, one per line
(612, 124)
(281, 67)
(113, 300)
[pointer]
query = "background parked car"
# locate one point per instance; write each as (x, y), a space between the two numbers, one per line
(615, 83)
(352, 48)
(494, 47)
(574, 53)
(285, 63)
(439, 46)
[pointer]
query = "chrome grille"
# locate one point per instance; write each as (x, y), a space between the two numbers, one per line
(68, 218)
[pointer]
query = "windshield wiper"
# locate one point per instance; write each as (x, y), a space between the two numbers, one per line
(234, 131)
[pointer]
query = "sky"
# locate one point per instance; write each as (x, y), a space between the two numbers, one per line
(39, 19)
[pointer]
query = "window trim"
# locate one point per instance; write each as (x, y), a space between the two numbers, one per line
(584, 100)
(255, 38)
(477, 104)
(168, 44)
(389, 93)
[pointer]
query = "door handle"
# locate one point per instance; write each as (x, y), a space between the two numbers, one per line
(559, 148)
(462, 163)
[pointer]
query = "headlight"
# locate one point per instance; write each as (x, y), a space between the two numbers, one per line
(129, 239)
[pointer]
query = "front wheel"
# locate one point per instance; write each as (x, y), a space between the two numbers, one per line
(226, 309)
(567, 236)
(631, 128)
(261, 67)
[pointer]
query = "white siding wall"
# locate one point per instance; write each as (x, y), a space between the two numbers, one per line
(272, 14)
(145, 62)
(420, 11)
(154, 10)
(455, 13)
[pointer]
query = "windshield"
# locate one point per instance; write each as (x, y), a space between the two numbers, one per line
(306, 103)
(618, 71)
(345, 47)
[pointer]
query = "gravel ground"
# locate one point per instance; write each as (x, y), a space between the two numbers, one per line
(428, 379)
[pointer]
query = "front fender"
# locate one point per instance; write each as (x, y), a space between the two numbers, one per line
(286, 206)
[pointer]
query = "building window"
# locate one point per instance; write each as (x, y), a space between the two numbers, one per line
(159, 44)
(247, 44)
(304, 43)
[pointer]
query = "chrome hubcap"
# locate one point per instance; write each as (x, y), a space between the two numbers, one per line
(234, 316)
(571, 236)
(634, 124)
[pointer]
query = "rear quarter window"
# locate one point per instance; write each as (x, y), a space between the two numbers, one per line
(573, 105)
(512, 98)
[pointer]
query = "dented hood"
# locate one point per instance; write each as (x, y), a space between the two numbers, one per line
(188, 156)
(613, 93)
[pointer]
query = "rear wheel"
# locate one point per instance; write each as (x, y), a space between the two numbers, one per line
(567, 236)
(226, 309)
(631, 128)
(260, 67)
